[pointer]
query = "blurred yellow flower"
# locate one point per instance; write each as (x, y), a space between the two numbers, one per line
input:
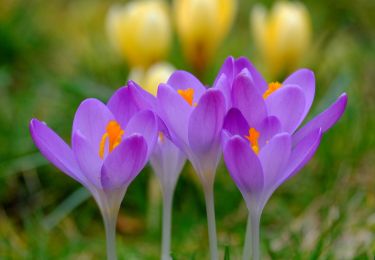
(150, 78)
(201, 26)
(282, 36)
(140, 31)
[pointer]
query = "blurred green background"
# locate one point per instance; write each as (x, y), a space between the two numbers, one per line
(53, 54)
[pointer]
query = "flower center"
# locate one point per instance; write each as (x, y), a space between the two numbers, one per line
(113, 134)
(253, 139)
(272, 87)
(187, 94)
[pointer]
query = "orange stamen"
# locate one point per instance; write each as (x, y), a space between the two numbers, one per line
(253, 139)
(114, 134)
(187, 94)
(161, 137)
(272, 87)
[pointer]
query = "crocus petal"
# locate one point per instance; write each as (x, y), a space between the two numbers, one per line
(91, 120)
(129, 100)
(227, 69)
(269, 127)
(303, 152)
(224, 85)
(124, 163)
(88, 159)
(148, 100)
(206, 121)
(288, 105)
(235, 123)
(55, 150)
(259, 81)
(225, 137)
(248, 100)
(243, 165)
(175, 112)
(274, 157)
(232, 67)
(167, 160)
(183, 80)
(324, 120)
(144, 123)
(305, 79)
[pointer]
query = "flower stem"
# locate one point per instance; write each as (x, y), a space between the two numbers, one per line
(252, 237)
(247, 248)
(109, 203)
(210, 208)
(110, 233)
(167, 221)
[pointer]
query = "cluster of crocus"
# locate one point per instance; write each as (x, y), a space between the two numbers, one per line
(141, 31)
(255, 124)
(261, 144)
(109, 147)
(282, 35)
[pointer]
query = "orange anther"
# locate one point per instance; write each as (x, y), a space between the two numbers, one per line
(187, 94)
(253, 139)
(272, 87)
(114, 134)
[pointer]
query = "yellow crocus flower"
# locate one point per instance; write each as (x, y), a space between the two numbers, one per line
(282, 36)
(201, 26)
(140, 31)
(150, 78)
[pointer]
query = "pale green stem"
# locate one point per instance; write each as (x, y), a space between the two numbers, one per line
(251, 245)
(109, 204)
(110, 233)
(247, 244)
(210, 208)
(167, 221)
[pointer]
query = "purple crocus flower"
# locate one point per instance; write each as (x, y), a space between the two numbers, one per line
(194, 116)
(261, 147)
(109, 149)
(246, 85)
(167, 160)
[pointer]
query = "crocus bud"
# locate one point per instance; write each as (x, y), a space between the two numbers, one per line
(282, 36)
(140, 31)
(150, 78)
(202, 26)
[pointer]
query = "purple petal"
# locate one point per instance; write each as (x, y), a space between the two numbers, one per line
(124, 163)
(88, 159)
(232, 67)
(91, 120)
(129, 100)
(235, 123)
(248, 100)
(324, 120)
(274, 157)
(55, 150)
(145, 124)
(243, 165)
(303, 152)
(269, 127)
(288, 105)
(175, 113)
(162, 127)
(225, 137)
(259, 82)
(182, 80)
(206, 121)
(226, 69)
(224, 85)
(305, 79)
(167, 160)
